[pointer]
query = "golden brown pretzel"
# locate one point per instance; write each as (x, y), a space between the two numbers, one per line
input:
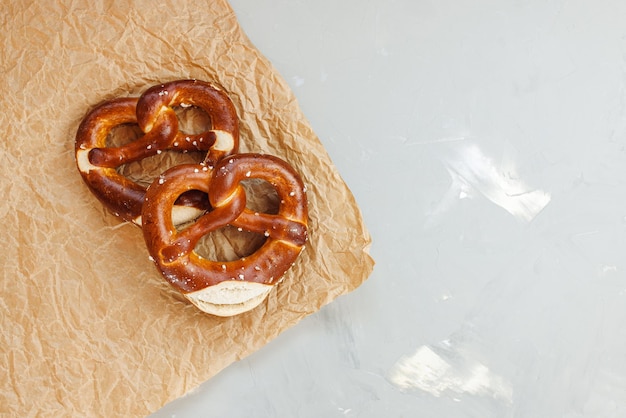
(154, 113)
(226, 287)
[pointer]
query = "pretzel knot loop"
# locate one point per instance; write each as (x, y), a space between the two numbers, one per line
(154, 113)
(205, 282)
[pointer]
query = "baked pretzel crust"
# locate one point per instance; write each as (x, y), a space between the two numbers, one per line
(173, 250)
(154, 113)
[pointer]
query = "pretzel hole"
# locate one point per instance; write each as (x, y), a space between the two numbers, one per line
(192, 120)
(229, 244)
(123, 134)
(261, 196)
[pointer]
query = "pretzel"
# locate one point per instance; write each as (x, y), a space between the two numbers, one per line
(154, 113)
(226, 288)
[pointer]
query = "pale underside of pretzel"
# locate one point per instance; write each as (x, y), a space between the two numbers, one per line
(226, 288)
(154, 113)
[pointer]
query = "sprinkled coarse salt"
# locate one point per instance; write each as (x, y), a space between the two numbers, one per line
(241, 277)
(151, 258)
(195, 170)
(159, 151)
(149, 147)
(205, 168)
(187, 139)
(195, 143)
(257, 268)
(185, 105)
(267, 233)
(239, 229)
(248, 174)
(223, 266)
(161, 180)
(292, 194)
(304, 188)
(175, 144)
(230, 161)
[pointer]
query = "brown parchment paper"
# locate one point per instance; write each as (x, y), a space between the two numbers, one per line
(89, 328)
